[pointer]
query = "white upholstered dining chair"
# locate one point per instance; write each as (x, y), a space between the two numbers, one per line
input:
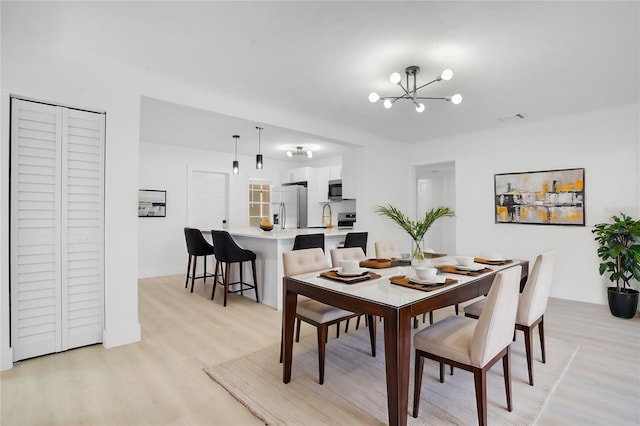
(313, 312)
(386, 250)
(532, 304)
(473, 345)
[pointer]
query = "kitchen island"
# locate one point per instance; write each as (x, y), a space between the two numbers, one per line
(268, 247)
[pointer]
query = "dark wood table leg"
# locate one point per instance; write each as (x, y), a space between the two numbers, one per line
(397, 347)
(288, 319)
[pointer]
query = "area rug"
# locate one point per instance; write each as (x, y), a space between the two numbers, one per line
(354, 390)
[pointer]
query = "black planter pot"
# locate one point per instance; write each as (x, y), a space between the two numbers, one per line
(623, 303)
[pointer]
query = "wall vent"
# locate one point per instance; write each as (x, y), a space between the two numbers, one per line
(511, 117)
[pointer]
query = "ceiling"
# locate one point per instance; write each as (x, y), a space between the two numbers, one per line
(321, 59)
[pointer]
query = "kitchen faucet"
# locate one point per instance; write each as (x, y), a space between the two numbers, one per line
(330, 225)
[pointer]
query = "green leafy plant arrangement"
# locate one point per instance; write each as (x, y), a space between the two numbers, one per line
(415, 229)
(619, 249)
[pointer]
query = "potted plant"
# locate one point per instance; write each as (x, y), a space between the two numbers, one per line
(415, 229)
(619, 252)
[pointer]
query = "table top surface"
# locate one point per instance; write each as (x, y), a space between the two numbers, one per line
(383, 292)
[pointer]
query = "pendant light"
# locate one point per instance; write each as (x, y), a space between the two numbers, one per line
(236, 166)
(259, 155)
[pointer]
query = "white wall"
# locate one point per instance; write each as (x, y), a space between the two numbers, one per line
(605, 143)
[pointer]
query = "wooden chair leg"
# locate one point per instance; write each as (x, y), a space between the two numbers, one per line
(480, 380)
(346, 326)
(430, 317)
(298, 324)
(337, 331)
(322, 337)
(457, 309)
(541, 332)
(415, 322)
(528, 335)
(358, 322)
(186, 282)
(372, 334)
(417, 383)
(441, 372)
(255, 282)
(506, 368)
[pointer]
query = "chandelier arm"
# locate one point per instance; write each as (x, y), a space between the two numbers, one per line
(424, 97)
(426, 84)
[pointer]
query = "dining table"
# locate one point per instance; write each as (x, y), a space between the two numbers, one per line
(396, 304)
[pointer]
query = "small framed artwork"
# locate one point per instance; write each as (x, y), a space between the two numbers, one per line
(152, 203)
(550, 197)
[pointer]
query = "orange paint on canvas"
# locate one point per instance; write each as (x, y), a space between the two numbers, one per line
(544, 216)
(502, 213)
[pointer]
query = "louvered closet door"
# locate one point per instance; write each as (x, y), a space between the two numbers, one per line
(82, 228)
(57, 238)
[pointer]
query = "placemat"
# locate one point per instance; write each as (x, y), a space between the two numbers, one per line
(333, 275)
(491, 262)
(376, 263)
(406, 282)
(453, 270)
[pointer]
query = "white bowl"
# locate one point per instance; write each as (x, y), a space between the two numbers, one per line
(426, 273)
(349, 265)
(465, 260)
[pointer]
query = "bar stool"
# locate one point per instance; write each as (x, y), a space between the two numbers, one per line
(228, 252)
(308, 241)
(356, 239)
(197, 246)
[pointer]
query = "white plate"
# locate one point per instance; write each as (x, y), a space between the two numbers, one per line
(437, 280)
(474, 267)
(359, 271)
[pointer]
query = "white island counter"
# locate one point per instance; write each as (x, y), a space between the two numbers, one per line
(268, 247)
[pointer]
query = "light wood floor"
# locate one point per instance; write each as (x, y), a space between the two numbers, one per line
(160, 380)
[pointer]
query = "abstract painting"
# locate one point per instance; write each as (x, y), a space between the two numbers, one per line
(152, 203)
(550, 197)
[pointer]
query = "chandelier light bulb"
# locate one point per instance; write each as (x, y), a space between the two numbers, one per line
(456, 99)
(387, 103)
(420, 107)
(373, 97)
(309, 154)
(289, 154)
(446, 74)
(395, 78)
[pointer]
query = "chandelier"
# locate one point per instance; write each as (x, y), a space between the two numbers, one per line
(299, 151)
(412, 95)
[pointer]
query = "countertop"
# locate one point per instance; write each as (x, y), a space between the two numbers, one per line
(287, 234)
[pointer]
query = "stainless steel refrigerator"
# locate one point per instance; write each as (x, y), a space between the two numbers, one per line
(289, 206)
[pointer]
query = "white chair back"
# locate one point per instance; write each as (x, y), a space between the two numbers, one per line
(534, 297)
(348, 253)
(297, 262)
(387, 250)
(494, 330)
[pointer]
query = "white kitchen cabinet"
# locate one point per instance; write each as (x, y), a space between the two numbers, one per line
(300, 174)
(56, 228)
(350, 160)
(335, 172)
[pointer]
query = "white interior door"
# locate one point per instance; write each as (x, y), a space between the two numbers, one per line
(435, 187)
(207, 205)
(57, 228)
